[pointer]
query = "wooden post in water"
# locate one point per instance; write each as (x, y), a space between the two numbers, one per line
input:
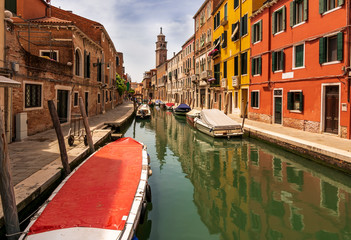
(86, 125)
(60, 138)
(6, 187)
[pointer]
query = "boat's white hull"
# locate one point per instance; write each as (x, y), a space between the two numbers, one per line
(217, 133)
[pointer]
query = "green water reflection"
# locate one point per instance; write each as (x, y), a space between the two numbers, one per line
(239, 189)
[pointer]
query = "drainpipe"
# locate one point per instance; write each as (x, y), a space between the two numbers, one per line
(347, 62)
(269, 57)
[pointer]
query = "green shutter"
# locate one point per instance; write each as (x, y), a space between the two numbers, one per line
(321, 6)
(284, 17)
(282, 62)
(260, 65)
(340, 46)
(292, 13)
(322, 52)
(301, 102)
(340, 2)
(305, 10)
(260, 31)
(299, 53)
(273, 23)
(252, 99)
(85, 64)
(252, 33)
(274, 54)
(256, 99)
(11, 5)
(290, 101)
(253, 67)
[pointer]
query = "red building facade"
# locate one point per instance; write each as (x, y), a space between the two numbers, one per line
(300, 63)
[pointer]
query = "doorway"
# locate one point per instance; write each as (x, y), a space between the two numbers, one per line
(278, 99)
(331, 108)
(87, 103)
(62, 105)
(244, 101)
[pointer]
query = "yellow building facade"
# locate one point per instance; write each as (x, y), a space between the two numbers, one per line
(232, 39)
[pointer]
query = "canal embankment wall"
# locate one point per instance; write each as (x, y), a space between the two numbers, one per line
(36, 164)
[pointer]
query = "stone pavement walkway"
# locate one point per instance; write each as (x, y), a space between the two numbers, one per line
(36, 162)
(328, 147)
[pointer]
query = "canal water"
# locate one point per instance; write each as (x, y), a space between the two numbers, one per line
(205, 188)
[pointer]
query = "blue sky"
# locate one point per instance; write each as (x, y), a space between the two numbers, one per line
(133, 25)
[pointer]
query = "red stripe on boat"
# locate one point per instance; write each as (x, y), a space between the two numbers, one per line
(99, 193)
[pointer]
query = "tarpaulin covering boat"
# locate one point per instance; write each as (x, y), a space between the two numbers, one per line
(216, 124)
(101, 199)
(182, 109)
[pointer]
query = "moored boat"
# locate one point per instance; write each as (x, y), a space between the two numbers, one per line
(103, 198)
(143, 111)
(216, 124)
(190, 116)
(169, 106)
(158, 102)
(182, 109)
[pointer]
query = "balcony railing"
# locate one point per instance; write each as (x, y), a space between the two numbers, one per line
(205, 75)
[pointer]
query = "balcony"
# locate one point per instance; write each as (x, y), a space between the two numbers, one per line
(224, 21)
(194, 78)
(202, 83)
(205, 74)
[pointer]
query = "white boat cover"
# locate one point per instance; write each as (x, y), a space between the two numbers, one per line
(194, 113)
(144, 107)
(217, 120)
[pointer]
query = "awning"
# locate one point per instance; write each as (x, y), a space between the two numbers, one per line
(235, 30)
(7, 82)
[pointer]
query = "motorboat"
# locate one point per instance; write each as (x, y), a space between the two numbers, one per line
(158, 102)
(169, 106)
(216, 124)
(182, 109)
(190, 116)
(143, 111)
(103, 198)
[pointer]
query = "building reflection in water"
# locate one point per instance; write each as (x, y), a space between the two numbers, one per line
(244, 189)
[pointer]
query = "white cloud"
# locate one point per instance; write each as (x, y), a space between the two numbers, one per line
(133, 26)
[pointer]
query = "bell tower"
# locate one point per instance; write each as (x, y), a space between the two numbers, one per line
(161, 49)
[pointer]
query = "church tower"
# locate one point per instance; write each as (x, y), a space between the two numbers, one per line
(161, 49)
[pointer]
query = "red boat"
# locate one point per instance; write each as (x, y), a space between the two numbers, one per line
(103, 198)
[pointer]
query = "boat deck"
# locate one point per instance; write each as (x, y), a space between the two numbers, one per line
(99, 194)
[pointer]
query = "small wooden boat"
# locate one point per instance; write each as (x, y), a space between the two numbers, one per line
(143, 111)
(190, 116)
(182, 109)
(169, 106)
(216, 124)
(158, 102)
(103, 198)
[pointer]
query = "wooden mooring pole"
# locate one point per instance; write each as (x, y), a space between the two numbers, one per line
(60, 138)
(6, 188)
(86, 125)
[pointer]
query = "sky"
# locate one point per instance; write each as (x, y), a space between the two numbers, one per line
(133, 26)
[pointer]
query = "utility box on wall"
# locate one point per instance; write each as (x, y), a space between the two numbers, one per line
(21, 126)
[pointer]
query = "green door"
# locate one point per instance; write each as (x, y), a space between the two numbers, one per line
(278, 110)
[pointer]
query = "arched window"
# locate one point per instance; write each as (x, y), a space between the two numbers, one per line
(78, 62)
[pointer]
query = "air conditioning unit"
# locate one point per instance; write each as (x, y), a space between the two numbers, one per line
(235, 81)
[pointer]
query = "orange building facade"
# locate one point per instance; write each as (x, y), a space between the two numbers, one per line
(300, 64)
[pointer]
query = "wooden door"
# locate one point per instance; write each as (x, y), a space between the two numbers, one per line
(331, 120)
(62, 105)
(278, 110)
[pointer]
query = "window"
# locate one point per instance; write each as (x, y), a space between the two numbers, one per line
(243, 63)
(106, 96)
(243, 25)
(299, 55)
(217, 74)
(99, 64)
(235, 31)
(295, 101)
(236, 66)
(217, 20)
(53, 55)
(225, 11)
(236, 4)
(32, 95)
(298, 11)
(75, 100)
(224, 39)
(278, 20)
(225, 69)
(327, 5)
(209, 11)
(331, 48)
(98, 98)
(255, 95)
(78, 63)
(257, 32)
(256, 66)
(117, 61)
(86, 64)
(278, 61)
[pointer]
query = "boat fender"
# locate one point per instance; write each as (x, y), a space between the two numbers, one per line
(142, 212)
(148, 193)
(150, 172)
(148, 158)
(135, 238)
